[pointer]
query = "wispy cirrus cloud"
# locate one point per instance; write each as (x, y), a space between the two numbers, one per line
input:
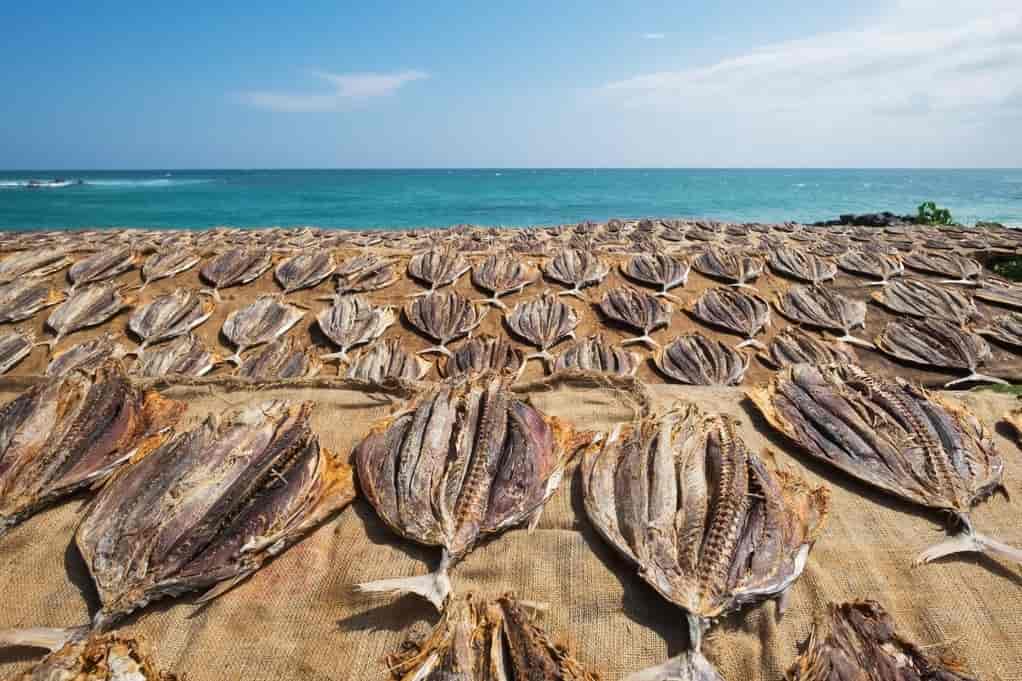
(345, 89)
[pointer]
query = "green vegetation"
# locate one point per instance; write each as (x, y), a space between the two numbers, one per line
(930, 214)
(1010, 268)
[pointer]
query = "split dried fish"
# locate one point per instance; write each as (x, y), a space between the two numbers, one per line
(576, 268)
(351, 321)
(732, 266)
(206, 509)
(463, 460)
(544, 322)
(999, 292)
(895, 436)
(33, 264)
(169, 316)
(638, 310)
(437, 268)
(872, 264)
(106, 264)
(444, 316)
(265, 320)
(167, 263)
(484, 353)
(479, 640)
(658, 269)
(795, 346)
(738, 312)
(502, 275)
(965, 270)
(364, 273)
(305, 270)
(824, 308)
(71, 432)
(87, 356)
(596, 354)
(935, 342)
(929, 301)
(88, 307)
(107, 657)
(388, 360)
(708, 526)
(14, 347)
(183, 356)
(858, 641)
(1006, 329)
(236, 267)
(697, 360)
(25, 296)
(279, 360)
(799, 264)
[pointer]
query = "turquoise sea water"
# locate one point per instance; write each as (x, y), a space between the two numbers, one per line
(415, 198)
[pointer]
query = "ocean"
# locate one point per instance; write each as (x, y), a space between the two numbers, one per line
(500, 197)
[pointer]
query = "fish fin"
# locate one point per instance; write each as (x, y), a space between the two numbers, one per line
(852, 340)
(574, 293)
(434, 587)
(689, 666)
(341, 355)
(969, 542)
(750, 342)
(977, 377)
(436, 349)
(223, 587)
(491, 301)
(50, 638)
(645, 339)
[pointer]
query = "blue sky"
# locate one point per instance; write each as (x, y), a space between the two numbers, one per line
(439, 84)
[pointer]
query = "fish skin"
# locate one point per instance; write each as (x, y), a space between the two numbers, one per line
(934, 342)
(71, 432)
(87, 356)
(924, 299)
(801, 265)
(872, 264)
(279, 360)
(106, 264)
(388, 360)
(351, 321)
(263, 321)
(443, 316)
(501, 274)
(1002, 293)
(576, 268)
(707, 525)
(596, 354)
(87, 307)
(658, 270)
(236, 267)
(543, 321)
(1006, 328)
(169, 316)
(697, 360)
(738, 312)
(483, 353)
(438, 267)
(168, 263)
(186, 355)
(858, 640)
(823, 308)
(14, 347)
(730, 265)
(25, 296)
(636, 309)
(32, 264)
(944, 264)
(795, 346)
(107, 657)
(364, 273)
(304, 270)
(208, 507)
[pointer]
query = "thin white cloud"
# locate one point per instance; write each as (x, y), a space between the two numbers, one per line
(653, 36)
(346, 89)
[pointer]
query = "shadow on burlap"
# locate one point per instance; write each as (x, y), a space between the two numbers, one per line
(298, 619)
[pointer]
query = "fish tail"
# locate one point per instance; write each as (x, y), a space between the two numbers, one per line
(645, 339)
(974, 376)
(434, 587)
(689, 666)
(437, 349)
(852, 340)
(50, 638)
(750, 342)
(234, 359)
(969, 542)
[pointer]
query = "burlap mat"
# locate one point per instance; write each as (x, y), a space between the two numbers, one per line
(297, 619)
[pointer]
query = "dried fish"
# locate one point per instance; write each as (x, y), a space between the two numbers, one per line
(87, 356)
(895, 436)
(965, 270)
(823, 308)
(207, 508)
(738, 312)
(502, 275)
(697, 360)
(544, 322)
(305, 270)
(1000, 292)
(351, 321)
(70, 432)
(444, 316)
(638, 310)
(935, 342)
(106, 264)
(597, 355)
(464, 460)
(658, 269)
(480, 640)
(799, 264)
(437, 268)
(33, 264)
(929, 301)
(388, 361)
(183, 356)
(708, 526)
(731, 266)
(236, 267)
(14, 347)
(872, 264)
(107, 657)
(859, 641)
(795, 346)
(25, 296)
(576, 268)
(484, 353)
(364, 273)
(88, 307)
(167, 263)
(1005, 328)
(169, 316)
(265, 320)
(279, 360)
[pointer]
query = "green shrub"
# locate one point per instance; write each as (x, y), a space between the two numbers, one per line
(930, 214)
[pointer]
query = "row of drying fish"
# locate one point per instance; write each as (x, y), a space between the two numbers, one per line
(677, 492)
